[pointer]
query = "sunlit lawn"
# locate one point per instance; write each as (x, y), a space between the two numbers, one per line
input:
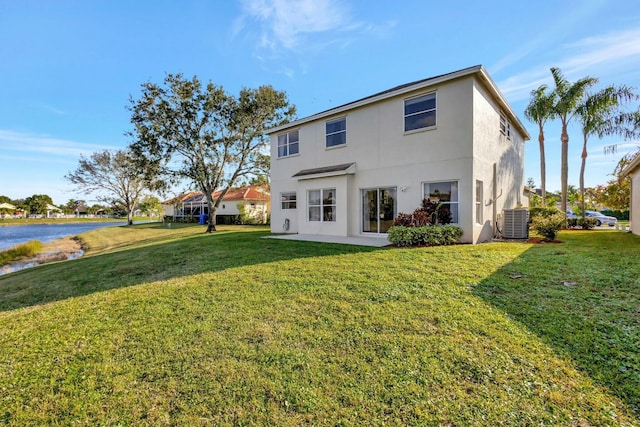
(169, 326)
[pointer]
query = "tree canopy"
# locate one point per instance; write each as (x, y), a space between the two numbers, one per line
(187, 131)
(112, 174)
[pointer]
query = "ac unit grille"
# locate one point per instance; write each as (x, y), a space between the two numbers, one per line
(515, 224)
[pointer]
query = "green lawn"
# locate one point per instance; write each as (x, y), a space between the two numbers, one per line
(169, 326)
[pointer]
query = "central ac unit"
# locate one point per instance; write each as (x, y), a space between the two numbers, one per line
(515, 224)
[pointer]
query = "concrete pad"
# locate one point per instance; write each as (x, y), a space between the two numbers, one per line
(377, 242)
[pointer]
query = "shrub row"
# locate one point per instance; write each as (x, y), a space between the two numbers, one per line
(585, 224)
(430, 235)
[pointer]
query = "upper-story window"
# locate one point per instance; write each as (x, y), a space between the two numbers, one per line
(505, 126)
(336, 132)
(288, 144)
(420, 112)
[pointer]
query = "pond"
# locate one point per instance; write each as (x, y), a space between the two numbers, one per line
(11, 235)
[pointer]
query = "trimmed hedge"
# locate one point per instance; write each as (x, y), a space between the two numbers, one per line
(430, 235)
(585, 224)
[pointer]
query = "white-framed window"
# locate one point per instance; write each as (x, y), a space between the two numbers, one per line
(288, 200)
(288, 144)
(336, 131)
(420, 112)
(322, 205)
(505, 126)
(479, 198)
(444, 192)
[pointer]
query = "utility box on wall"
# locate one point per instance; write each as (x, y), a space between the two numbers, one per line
(515, 223)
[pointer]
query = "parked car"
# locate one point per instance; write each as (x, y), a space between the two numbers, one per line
(570, 214)
(601, 218)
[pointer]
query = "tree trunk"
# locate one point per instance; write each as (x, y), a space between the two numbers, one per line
(564, 170)
(213, 209)
(211, 221)
(130, 217)
(582, 168)
(543, 167)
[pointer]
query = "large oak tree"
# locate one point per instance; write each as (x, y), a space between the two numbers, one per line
(187, 131)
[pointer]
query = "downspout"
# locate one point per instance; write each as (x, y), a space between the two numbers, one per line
(494, 196)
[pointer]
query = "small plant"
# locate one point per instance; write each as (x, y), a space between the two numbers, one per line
(548, 226)
(584, 223)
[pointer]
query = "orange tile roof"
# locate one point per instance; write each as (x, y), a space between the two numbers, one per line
(250, 192)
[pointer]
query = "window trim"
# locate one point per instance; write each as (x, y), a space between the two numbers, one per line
(322, 205)
(327, 134)
(288, 144)
(456, 202)
(434, 109)
(288, 202)
(478, 202)
(505, 125)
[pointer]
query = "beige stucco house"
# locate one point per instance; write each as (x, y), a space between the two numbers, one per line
(633, 171)
(350, 170)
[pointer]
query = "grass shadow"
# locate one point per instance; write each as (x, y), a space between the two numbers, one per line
(150, 261)
(582, 298)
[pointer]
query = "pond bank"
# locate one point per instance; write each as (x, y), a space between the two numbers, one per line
(62, 249)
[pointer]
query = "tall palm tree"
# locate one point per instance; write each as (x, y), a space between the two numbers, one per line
(569, 96)
(539, 110)
(599, 116)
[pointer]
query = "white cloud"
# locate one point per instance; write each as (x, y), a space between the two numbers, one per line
(12, 141)
(285, 27)
(605, 56)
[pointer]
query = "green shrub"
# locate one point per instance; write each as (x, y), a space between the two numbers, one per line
(543, 212)
(430, 235)
(584, 223)
(548, 226)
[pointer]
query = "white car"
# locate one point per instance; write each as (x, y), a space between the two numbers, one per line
(601, 219)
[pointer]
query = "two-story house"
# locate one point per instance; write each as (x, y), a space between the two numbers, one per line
(350, 170)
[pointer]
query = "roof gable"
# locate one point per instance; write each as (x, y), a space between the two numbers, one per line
(477, 70)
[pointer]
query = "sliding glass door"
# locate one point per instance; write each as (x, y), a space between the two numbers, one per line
(378, 209)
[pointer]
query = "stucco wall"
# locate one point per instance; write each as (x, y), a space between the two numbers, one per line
(635, 201)
(386, 156)
(491, 147)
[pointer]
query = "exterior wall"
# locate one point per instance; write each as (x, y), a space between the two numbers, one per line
(491, 146)
(231, 207)
(635, 201)
(387, 156)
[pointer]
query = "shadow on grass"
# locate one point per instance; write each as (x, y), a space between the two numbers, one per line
(191, 255)
(582, 298)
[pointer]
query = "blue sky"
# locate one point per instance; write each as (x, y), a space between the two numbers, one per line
(68, 68)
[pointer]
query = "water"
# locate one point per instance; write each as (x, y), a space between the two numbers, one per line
(11, 235)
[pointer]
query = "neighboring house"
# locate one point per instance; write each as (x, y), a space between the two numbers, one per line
(252, 200)
(350, 170)
(633, 171)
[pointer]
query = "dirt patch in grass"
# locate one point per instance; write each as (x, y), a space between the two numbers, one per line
(541, 240)
(57, 250)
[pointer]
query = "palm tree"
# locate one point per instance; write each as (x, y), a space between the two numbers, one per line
(539, 110)
(598, 115)
(568, 96)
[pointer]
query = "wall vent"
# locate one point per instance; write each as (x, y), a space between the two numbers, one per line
(515, 224)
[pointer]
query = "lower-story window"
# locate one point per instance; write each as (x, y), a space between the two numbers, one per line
(446, 193)
(322, 204)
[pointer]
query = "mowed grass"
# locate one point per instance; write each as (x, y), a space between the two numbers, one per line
(159, 326)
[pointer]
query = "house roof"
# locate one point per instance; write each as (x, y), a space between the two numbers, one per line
(478, 70)
(635, 164)
(249, 192)
(326, 170)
